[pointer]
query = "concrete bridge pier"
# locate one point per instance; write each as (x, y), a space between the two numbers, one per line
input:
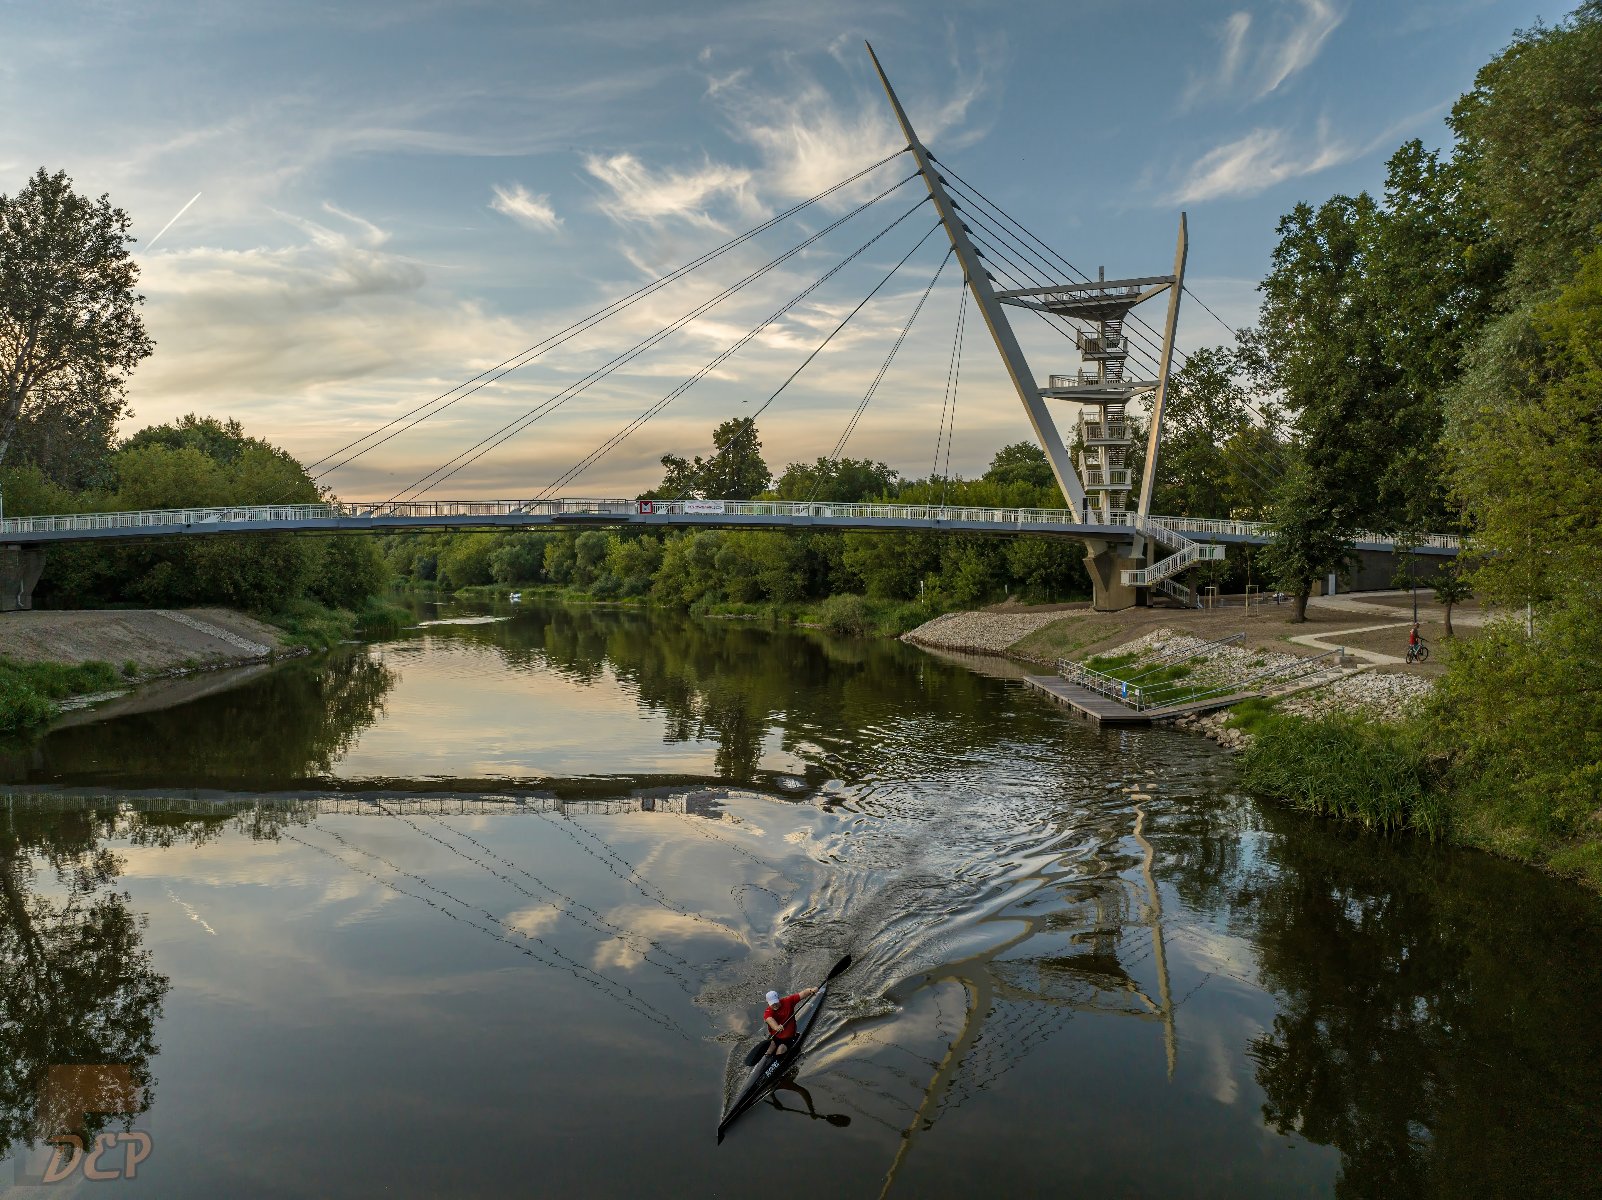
(1106, 562)
(20, 568)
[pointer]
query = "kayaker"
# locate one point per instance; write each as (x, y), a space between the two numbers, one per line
(779, 1018)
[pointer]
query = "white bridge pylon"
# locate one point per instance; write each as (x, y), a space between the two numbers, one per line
(1098, 488)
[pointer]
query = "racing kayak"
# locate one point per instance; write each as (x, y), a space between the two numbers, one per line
(770, 1069)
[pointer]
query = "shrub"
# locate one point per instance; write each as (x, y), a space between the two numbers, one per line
(1346, 767)
(846, 616)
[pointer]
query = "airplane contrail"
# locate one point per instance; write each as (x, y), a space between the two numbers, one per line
(174, 220)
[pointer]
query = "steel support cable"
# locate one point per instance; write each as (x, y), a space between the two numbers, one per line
(583, 324)
(956, 384)
(951, 373)
(1134, 320)
(863, 304)
(1260, 465)
(526, 418)
(1153, 342)
(884, 367)
(1058, 322)
(1022, 278)
(1264, 470)
(617, 439)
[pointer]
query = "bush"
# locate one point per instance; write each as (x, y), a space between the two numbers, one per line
(846, 616)
(1345, 767)
(28, 691)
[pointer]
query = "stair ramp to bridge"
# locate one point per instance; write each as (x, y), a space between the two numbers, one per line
(1187, 552)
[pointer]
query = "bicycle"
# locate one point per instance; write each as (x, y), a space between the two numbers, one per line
(1417, 653)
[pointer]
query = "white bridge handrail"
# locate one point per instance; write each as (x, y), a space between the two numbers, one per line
(1173, 530)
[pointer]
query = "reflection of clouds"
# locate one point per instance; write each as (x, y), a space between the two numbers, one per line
(1208, 951)
(534, 921)
(1219, 1062)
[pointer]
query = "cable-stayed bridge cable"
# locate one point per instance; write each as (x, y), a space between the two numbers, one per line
(618, 438)
(582, 325)
(523, 420)
(818, 349)
(884, 367)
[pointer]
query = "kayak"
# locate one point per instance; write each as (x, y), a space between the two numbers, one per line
(770, 1070)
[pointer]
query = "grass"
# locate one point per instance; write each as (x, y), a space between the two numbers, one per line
(1064, 638)
(315, 626)
(29, 691)
(1372, 772)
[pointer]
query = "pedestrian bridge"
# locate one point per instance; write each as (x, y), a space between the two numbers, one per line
(457, 515)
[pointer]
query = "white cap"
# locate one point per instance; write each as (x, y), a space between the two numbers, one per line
(773, 997)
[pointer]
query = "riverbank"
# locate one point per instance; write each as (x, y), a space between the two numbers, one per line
(1353, 736)
(55, 660)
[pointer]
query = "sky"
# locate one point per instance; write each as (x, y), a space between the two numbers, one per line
(344, 210)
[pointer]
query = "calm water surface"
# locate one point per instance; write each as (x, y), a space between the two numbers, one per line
(488, 909)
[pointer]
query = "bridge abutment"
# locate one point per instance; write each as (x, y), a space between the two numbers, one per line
(20, 568)
(1106, 564)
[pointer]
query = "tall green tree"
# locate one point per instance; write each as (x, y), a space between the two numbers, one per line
(1530, 147)
(1308, 543)
(70, 330)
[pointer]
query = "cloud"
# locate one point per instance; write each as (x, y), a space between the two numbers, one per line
(639, 193)
(1301, 45)
(1289, 45)
(1256, 162)
(372, 235)
(1233, 36)
(522, 205)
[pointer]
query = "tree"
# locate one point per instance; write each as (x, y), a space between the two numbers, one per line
(70, 330)
(1530, 149)
(1308, 542)
(1022, 462)
(1214, 460)
(837, 481)
(736, 471)
(1451, 587)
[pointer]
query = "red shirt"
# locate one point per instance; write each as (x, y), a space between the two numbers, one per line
(784, 1013)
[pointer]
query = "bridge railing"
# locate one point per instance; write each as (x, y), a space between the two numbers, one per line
(233, 515)
(1261, 529)
(631, 509)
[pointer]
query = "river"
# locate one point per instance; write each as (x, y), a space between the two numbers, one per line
(489, 908)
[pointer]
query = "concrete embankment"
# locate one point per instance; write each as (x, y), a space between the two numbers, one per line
(154, 641)
(1351, 685)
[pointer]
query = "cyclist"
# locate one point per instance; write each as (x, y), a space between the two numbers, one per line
(1414, 643)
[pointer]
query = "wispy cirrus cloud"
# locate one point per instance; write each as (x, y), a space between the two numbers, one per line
(1257, 161)
(1284, 45)
(639, 193)
(526, 208)
(1266, 156)
(1300, 45)
(1224, 76)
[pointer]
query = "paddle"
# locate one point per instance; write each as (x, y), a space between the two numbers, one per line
(761, 1048)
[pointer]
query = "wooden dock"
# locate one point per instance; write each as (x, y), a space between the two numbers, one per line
(1104, 710)
(1088, 704)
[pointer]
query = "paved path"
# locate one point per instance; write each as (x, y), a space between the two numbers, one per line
(1429, 610)
(1322, 641)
